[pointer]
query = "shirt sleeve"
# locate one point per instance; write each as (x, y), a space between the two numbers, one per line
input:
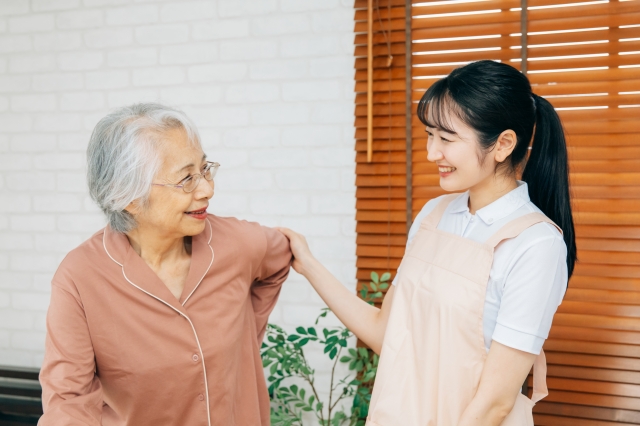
(272, 272)
(71, 392)
(533, 290)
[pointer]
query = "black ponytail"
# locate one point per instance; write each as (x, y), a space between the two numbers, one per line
(492, 97)
(547, 174)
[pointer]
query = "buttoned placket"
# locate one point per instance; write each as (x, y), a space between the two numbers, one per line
(195, 357)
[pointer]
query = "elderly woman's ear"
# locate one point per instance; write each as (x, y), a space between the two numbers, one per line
(134, 208)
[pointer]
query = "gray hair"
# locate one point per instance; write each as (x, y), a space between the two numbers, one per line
(122, 157)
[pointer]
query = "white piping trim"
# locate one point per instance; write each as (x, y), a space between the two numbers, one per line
(204, 369)
(209, 267)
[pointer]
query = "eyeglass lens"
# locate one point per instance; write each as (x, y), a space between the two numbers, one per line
(208, 173)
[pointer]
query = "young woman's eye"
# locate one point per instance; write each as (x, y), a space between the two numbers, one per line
(445, 140)
(429, 133)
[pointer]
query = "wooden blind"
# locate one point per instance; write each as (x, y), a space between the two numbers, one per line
(381, 184)
(584, 57)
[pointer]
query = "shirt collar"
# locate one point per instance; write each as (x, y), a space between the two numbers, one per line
(505, 205)
(497, 210)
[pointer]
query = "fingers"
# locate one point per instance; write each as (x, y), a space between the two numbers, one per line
(285, 231)
(290, 234)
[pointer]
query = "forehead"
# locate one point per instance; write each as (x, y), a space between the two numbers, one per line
(447, 120)
(177, 151)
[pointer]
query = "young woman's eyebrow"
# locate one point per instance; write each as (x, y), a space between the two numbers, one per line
(433, 126)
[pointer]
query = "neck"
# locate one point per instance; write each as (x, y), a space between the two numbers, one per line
(154, 247)
(489, 190)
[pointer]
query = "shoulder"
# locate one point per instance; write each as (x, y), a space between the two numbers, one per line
(539, 232)
(238, 232)
(539, 246)
(82, 260)
(232, 224)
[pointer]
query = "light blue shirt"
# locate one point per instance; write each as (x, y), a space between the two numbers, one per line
(528, 277)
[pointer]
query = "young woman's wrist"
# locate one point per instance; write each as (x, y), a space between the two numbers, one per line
(308, 265)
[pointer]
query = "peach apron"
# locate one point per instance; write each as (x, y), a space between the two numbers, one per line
(433, 351)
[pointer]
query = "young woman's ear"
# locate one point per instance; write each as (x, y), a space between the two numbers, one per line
(505, 145)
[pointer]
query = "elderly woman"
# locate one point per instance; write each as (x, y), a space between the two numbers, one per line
(157, 319)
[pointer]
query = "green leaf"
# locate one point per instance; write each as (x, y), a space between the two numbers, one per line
(294, 389)
(332, 339)
(333, 353)
(385, 277)
(293, 337)
(303, 342)
(374, 277)
(301, 330)
(342, 342)
(344, 358)
(312, 331)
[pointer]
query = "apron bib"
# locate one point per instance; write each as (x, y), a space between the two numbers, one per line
(433, 351)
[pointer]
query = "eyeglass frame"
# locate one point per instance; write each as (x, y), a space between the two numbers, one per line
(213, 166)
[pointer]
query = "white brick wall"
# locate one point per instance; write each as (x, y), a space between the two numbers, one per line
(269, 83)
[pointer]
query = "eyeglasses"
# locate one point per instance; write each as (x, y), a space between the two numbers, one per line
(190, 183)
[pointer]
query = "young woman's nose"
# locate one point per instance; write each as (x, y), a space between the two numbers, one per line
(433, 150)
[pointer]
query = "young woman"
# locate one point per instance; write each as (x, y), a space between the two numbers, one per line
(485, 268)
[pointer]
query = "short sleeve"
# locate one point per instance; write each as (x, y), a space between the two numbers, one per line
(533, 290)
(272, 272)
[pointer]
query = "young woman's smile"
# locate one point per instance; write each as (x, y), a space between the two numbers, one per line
(445, 170)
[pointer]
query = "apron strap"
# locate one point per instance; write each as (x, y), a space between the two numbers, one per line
(516, 226)
(432, 220)
(540, 389)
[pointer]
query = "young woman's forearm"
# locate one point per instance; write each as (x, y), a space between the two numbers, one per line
(504, 372)
(484, 413)
(367, 322)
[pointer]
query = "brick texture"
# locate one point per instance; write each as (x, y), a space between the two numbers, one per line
(269, 83)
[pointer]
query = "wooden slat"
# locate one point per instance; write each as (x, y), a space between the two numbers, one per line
(584, 412)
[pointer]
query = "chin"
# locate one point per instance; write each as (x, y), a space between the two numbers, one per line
(193, 230)
(451, 186)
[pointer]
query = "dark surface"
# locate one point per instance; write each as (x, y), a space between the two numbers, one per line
(20, 396)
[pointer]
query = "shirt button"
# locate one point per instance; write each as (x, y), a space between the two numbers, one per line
(195, 357)
(201, 397)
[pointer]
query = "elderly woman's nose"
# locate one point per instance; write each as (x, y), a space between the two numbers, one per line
(205, 188)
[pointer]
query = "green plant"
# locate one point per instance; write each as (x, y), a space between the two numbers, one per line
(284, 358)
